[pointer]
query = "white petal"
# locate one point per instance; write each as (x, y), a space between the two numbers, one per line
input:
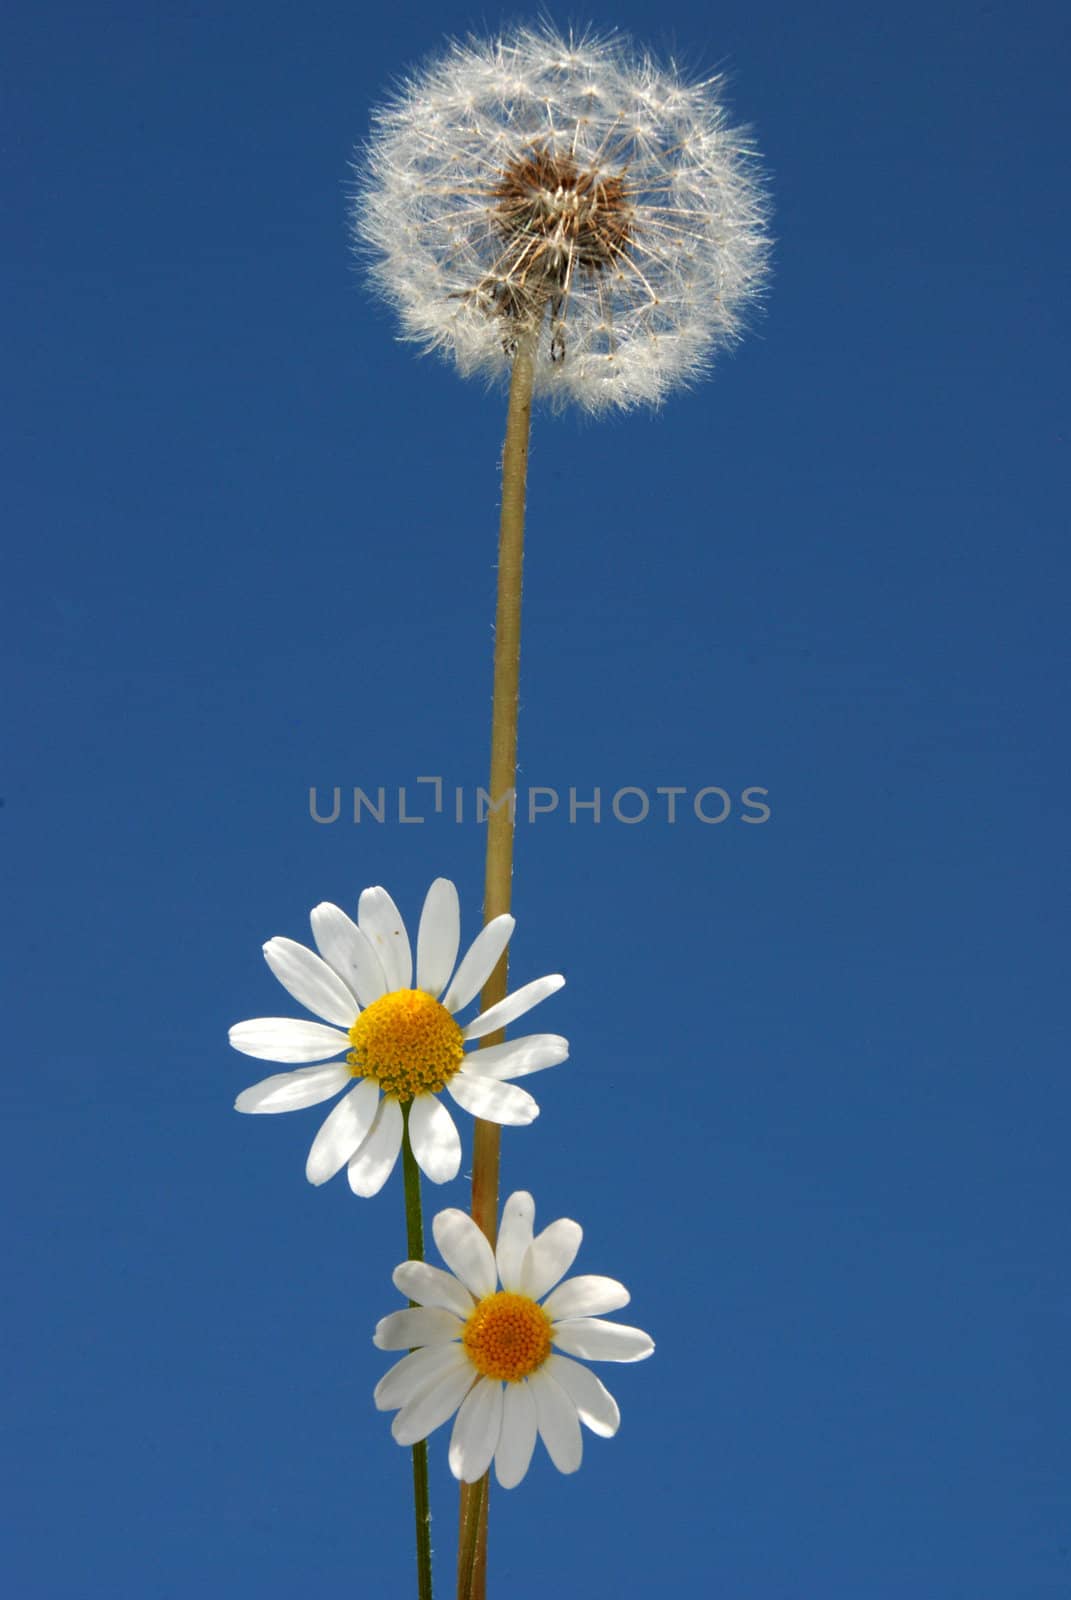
(311, 981)
(550, 1255)
(438, 937)
(431, 1286)
(291, 1091)
(419, 1325)
(435, 1140)
(518, 1435)
(287, 1039)
(559, 1425)
(428, 1411)
(373, 1162)
(517, 1057)
(592, 1339)
(347, 951)
(343, 1131)
(416, 1373)
(480, 961)
(475, 1436)
(514, 1237)
(491, 1100)
(595, 1404)
(586, 1296)
(380, 919)
(466, 1251)
(513, 1006)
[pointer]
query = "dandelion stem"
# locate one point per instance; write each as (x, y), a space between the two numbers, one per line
(499, 869)
(472, 1528)
(472, 1532)
(414, 1232)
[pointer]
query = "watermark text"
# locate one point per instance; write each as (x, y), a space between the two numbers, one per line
(426, 798)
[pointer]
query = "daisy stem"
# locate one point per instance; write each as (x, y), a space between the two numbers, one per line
(498, 880)
(414, 1233)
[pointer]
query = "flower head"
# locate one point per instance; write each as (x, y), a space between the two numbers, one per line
(402, 1044)
(568, 185)
(492, 1354)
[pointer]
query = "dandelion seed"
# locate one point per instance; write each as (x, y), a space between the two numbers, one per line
(573, 191)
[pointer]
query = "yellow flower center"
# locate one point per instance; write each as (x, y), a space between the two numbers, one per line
(507, 1336)
(407, 1043)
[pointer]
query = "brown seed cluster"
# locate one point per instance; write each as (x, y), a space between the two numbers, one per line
(555, 220)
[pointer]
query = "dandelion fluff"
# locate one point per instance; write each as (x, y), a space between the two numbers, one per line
(573, 187)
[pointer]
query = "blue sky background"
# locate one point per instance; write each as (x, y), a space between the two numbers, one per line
(817, 1110)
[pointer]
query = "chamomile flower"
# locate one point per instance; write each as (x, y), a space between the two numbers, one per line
(500, 1357)
(568, 185)
(402, 1043)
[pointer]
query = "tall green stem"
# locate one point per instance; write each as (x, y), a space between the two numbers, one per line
(498, 880)
(414, 1234)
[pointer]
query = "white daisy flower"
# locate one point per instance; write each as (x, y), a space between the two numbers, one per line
(403, 1044)
(572, 185)
(490, 1354)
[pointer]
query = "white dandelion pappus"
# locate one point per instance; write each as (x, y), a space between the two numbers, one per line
(501, 1357)
(570, 185)
(403, 1043)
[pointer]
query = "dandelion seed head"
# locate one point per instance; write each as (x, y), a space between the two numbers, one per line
(571, 186)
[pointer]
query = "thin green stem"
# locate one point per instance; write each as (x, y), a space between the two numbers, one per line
(414, 1233)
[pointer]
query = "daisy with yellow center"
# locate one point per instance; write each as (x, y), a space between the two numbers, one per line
(402, 1043)
(492, 1340)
